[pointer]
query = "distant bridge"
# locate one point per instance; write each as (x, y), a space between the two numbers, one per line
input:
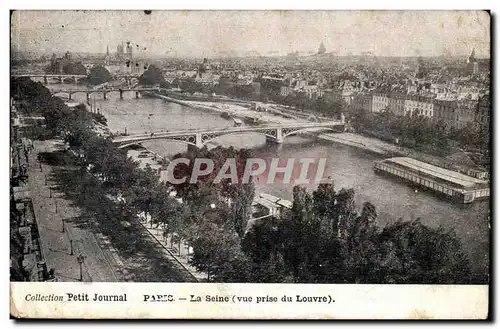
(200, 137)
(104, 91)
(58, 77)
(74, 77)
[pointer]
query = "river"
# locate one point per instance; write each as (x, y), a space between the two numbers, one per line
(347, 166)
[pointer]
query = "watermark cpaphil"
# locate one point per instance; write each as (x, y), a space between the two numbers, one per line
(182, 170)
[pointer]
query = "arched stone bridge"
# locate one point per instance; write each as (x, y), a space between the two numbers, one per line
(75, 77)
(199, 138)
(104, 91)
(58, 77)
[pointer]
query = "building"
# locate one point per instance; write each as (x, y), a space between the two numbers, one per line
(57, 64)
(297, 85)
(457, 113)
(119, 51)
(136, 66)
(380, 102)
(345, 91)
(362, 101)
(285, 91)
(472, 64)
(483, 110)
(207, 78)
(312, 91)
(397, 103)
(129, 50)
(445, 112)
(272, 83)
(333, 95)
(420, 104)
(466, 112)
(451, 183)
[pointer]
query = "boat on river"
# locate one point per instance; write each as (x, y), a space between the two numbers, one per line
(225, 115)
(452, 184)
(237, 122)
(252, 121)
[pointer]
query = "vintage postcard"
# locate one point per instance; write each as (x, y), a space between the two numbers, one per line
(250, 164)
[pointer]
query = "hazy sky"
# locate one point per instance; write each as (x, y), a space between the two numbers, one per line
(203, 33)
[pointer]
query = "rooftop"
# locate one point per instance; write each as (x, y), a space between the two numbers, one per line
(431, 170)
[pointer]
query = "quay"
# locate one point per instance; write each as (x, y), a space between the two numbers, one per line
(454, 185)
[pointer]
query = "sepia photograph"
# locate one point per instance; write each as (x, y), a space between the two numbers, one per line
(314, 151)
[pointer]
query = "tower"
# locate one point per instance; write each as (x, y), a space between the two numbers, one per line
(107, 50)
(129, 50)
(472, 64)
(321, 49)
(472, 56)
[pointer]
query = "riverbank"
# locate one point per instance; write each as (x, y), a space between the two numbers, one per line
(235, 111)
(362, 142)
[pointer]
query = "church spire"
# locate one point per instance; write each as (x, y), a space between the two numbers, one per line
(472, 57)
(321, 49)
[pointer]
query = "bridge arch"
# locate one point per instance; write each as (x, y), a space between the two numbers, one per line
(211, 137)
(310, 129)
(203, 137)
(67, 92)
(139, 143)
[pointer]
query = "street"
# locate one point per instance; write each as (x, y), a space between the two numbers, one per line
(110, 253)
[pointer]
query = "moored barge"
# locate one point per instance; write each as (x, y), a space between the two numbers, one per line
(463, 188)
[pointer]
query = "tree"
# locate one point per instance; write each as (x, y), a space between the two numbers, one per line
(300, 236)
(152, 76)
(415, 253)
(238, 197)
(323, 239)
(74, 68)
(260, 244)
(217, 248)
(98, 75)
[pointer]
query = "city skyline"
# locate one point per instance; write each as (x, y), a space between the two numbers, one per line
(219, 33)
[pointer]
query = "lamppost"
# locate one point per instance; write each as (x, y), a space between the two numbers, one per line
(81, 260)
(63, 227)
(71, 247)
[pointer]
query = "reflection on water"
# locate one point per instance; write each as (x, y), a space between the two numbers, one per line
(348, 167)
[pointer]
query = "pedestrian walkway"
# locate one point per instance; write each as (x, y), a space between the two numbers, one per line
(62, 241)
(178, 251)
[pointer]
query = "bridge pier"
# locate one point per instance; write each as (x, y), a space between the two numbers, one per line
(88, 97)
(121, 94)
(70, 95)
(59, 79)
(75, 81)
(199, 141)
(45, 80)
(105, 95)
(191, 148)
(136, 94)
(279, 136)
(278, 139)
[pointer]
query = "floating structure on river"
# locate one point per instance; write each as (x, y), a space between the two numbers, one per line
(457, 186)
